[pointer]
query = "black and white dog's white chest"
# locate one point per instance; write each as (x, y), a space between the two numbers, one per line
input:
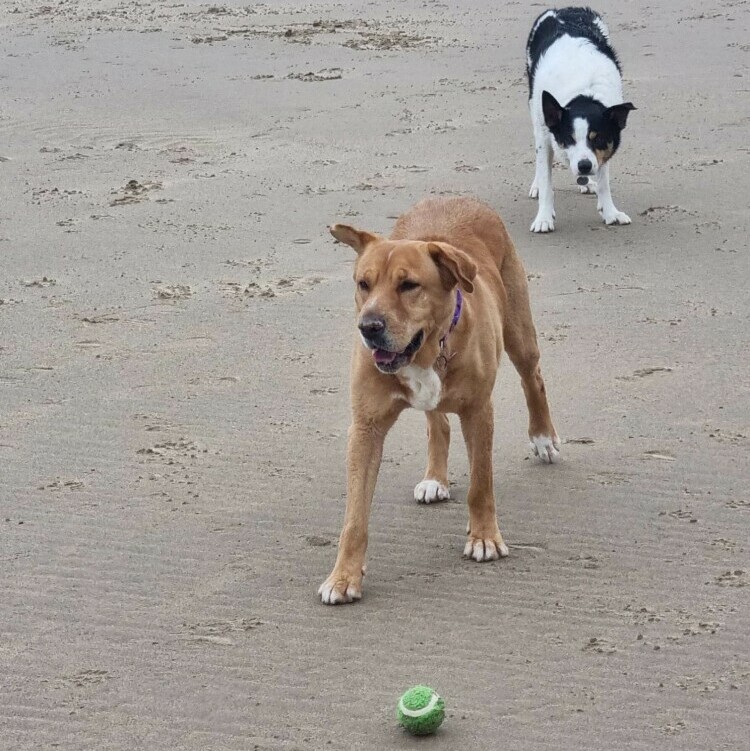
(576, 104)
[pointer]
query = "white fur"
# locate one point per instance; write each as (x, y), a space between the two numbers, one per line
(425, 386)
(606, 207)
(484, 550)
(429, 491)
(579, 150)
(331, 597)
(546, 447)
(572, 67)
(599, 21)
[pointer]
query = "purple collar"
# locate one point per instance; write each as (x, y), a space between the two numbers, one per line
(456, 316)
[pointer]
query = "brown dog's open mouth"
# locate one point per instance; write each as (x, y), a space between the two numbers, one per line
(390, 362)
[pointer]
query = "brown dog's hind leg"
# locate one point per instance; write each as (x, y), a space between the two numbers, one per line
(435, 487)
(485, 543)
(521, 345)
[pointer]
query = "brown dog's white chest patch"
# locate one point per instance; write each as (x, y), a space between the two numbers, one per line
(425, 386)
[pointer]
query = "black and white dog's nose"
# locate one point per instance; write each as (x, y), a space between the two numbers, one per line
(584, 167)
(371, 326)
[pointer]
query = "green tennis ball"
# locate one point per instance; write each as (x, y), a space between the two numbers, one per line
(421, 710)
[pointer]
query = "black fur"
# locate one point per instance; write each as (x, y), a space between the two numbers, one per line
(575, 22)
(606, 122)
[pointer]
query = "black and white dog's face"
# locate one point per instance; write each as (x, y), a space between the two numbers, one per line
(585, 131)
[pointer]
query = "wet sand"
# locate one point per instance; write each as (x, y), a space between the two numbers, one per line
(175, 330)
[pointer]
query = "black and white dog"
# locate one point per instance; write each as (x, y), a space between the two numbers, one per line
(577, 109)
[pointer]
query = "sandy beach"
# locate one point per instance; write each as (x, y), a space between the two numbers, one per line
(175, 331)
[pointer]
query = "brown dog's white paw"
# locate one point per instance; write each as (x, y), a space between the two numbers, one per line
(429, 491)
(485, 548)
(339, 589)
(546, 447)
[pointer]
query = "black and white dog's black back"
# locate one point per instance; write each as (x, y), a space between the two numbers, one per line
(577, 108)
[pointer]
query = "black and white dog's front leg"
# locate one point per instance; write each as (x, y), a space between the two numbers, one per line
(606, 207)
(542, 185)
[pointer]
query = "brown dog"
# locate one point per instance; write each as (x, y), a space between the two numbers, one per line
(437, 303)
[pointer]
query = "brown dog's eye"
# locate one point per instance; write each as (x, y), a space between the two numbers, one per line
(363, 285)
(407, 285)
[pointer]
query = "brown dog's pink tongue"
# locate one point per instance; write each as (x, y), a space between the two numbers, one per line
(383, 356)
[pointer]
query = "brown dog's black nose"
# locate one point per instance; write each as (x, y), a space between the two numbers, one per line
(584, 167)
(371, 326)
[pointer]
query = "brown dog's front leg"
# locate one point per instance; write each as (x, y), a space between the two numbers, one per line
(435, 485)
(364, 452)
(485, 543)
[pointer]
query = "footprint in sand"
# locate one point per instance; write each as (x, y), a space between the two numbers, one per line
(173, 292)
(326, 74)
(273, 288)
(134, 192)
(43, 282)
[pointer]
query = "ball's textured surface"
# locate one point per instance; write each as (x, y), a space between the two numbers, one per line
(421, 710)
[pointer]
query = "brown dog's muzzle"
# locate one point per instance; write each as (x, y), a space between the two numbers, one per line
(373, 329)
(387, 354)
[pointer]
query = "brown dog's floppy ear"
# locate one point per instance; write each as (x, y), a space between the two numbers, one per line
(355, 238)
(455, 267)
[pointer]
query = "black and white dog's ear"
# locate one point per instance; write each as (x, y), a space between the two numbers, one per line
(552, 110)
(619, 113)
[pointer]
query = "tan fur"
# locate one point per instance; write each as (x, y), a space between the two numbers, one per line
(441, 244)
(604, 155)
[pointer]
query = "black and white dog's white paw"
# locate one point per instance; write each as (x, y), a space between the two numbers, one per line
(613, 216)
(544, 222)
